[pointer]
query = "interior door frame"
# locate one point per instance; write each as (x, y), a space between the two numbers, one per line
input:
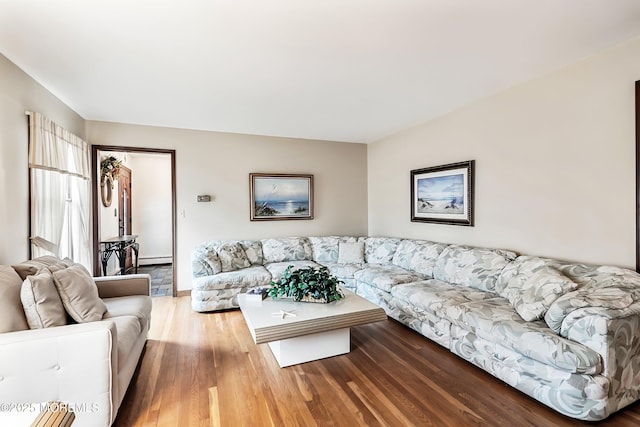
(124, 222)
(638, 176)
(96, 199)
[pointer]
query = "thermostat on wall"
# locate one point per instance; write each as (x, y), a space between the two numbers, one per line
(204, 198)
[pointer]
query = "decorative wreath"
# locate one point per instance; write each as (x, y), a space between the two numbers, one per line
(110, 166)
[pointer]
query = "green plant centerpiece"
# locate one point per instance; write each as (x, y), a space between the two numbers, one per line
(307, 284)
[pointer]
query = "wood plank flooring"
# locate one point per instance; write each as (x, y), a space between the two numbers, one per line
(203, 369)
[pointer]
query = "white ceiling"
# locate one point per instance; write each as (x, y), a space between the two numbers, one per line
(343, 70)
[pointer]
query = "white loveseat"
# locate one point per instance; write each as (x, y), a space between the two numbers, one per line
(86, 365)
(566, 334)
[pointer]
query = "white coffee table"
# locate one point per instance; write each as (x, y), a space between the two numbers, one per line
(299, 332)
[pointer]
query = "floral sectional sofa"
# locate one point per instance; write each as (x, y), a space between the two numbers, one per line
(566, 334)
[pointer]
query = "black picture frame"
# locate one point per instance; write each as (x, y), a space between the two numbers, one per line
(443, 194)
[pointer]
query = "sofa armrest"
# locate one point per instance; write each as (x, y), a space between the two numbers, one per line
(120, 286)
(616, 340)
(76, 364)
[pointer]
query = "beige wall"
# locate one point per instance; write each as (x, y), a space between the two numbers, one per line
(18, 93)
(554, 165)
(219, 164)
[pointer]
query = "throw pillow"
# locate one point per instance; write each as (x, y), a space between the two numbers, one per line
(12, 317)
(531, 293)
(33, 266)
(42, 305)
(253, 249)
(351, 253)
(232, 256)
(79, 294)
(213, 261)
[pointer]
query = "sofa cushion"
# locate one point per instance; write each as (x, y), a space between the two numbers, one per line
(287, 249)
(325, 249)
(79, 294)
(351, 252)
(130, 305)
(418, 255)
(600, 275)
(32, 266)
(276, 269)
(532, 284)
(232, 256)
(473, 267)
(43, 307)
(385, 277)
(380, 250)
(12, 317)
(433, 296)
(199, 263)
(583, 393)
(253, 250)
(245, 278)
(496, 321)
(212, 260)
(426, 323)
(608, 301)
(343, 271)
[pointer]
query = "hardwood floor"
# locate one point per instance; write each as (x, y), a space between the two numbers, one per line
(202, 369)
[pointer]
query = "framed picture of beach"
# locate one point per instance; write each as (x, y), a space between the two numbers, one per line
(281, 196)
(443, 194)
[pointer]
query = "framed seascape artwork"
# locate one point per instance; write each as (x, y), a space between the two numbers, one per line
(281, 196)
(443, 194)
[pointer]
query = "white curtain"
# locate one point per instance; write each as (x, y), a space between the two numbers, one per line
(60, 191)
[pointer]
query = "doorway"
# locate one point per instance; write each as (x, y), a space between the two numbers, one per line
(131, 204)
(124, 212)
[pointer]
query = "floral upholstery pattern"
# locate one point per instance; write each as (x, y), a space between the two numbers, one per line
(621, 366)
(344, 272)
(434, 297)
(531, 285)
(374, 295)
(428, 324)
(287, 249)
(380, 250)
(325, 249)
(199, 266)
(576, 395)
(609, 302)
(276, 269)
(349, 284)
(473, 267)
(418, 255)
(253, 250)
(598, 275)
(385, 277)
(245, 278)
(495, 321)
(218, 299)
(231, 255)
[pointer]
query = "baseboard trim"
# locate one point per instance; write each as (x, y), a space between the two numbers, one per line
(185, 293)
(158, 260)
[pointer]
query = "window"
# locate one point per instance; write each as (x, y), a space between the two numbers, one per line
(60, 191)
